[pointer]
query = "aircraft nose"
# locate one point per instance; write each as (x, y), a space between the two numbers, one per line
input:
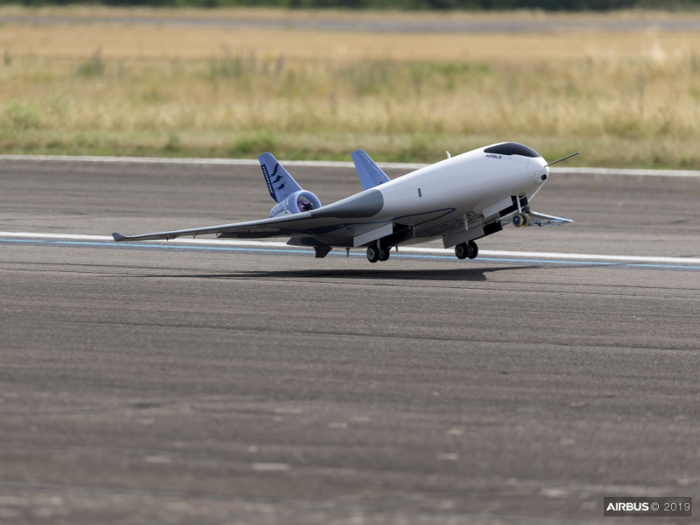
(539, 170)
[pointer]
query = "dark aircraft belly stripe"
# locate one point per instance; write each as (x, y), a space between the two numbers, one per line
(366, 204)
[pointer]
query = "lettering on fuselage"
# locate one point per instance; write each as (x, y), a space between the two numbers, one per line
(493, 156)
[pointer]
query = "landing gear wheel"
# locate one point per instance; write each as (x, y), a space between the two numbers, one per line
(521, 220)
(373, 254)
(473, 250)
(462, 251)
(384, 253)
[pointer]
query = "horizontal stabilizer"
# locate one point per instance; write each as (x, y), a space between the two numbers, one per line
(370, 174)
(280, 183)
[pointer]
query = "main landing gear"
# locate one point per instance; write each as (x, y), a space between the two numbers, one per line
(378, 253)
(467, 249)
(521, 220)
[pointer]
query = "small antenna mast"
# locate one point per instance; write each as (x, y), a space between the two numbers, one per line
(562, 159)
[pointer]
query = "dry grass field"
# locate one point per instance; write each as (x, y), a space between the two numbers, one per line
(625, 99)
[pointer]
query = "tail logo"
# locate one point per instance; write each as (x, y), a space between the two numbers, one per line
(269, 181)
(279, 177)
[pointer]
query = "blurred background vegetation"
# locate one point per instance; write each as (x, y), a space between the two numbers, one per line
(113, 88)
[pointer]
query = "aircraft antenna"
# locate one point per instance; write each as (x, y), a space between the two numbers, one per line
(562, 159)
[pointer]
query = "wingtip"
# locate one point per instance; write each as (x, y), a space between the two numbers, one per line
(118, 237)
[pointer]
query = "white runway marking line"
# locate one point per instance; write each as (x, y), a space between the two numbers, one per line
(325, 164)
(407, 249)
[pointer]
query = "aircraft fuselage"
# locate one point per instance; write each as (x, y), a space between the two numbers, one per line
(437, 199)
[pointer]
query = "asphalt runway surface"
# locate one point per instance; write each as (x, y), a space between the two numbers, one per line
(143, 385)
(387, 24)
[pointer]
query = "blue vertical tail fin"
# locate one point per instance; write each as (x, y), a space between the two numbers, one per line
(370, 174)
(280, 183)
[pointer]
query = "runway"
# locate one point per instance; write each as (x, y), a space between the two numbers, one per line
(230, 383)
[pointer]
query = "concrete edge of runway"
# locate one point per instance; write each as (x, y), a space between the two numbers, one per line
(324, 164)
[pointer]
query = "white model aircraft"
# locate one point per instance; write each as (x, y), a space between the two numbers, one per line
(460, 200)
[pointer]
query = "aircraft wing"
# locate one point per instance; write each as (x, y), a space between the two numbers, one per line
(251, 229)
(541, 219)
(356, 209)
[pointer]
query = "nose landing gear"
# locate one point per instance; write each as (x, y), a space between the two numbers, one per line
(467, 249)
(521, 220)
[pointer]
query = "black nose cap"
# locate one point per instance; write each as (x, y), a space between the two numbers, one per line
(544, 177)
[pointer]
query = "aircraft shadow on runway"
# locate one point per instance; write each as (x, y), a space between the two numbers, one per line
(466, 274)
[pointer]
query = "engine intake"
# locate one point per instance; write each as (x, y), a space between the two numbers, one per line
(298, 202)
